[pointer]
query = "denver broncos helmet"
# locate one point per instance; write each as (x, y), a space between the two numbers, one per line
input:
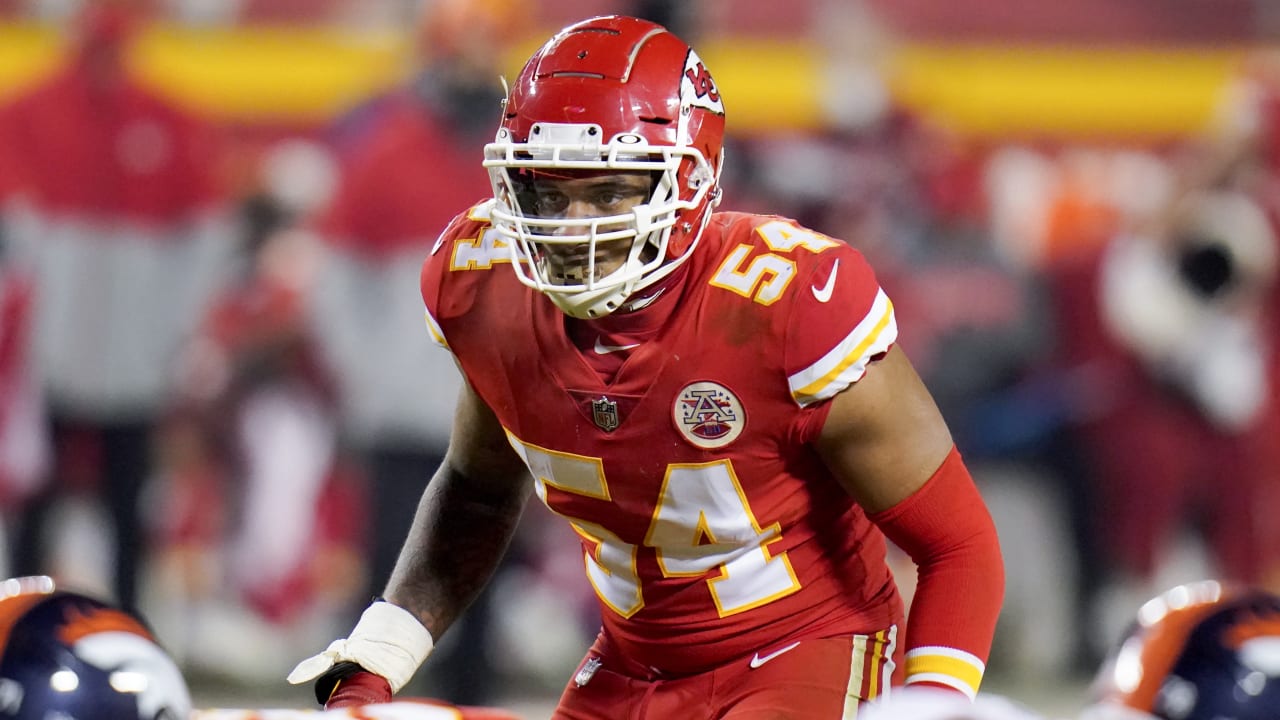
(607, 95)
(1201, 651)
(65, 656)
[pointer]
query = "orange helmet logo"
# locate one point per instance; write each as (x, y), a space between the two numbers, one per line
(78, 624)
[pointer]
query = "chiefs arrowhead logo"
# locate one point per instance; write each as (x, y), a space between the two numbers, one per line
(698, 87)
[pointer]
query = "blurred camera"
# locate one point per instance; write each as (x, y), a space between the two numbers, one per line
(1223, 243)
(1206, 266)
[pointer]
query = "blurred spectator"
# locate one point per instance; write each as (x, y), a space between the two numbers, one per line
(408, 160)
(1174, 326)
(255, 493)
(1178, 421)
(121, 220)
(24, 451)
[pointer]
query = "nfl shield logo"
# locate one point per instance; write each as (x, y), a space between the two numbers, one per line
(605, 414)
(587, 671)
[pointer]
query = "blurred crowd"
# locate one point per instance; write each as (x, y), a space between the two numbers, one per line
(218, 399)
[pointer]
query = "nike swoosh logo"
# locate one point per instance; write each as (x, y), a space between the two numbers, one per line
(759, 659)
(824, 294)
(602, 349)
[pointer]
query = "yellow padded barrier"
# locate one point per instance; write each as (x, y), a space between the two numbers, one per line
(305, 75)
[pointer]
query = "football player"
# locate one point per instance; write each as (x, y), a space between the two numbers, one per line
(713, 400)
(1200, 651)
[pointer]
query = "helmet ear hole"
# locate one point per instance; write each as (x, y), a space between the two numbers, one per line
(699, 175)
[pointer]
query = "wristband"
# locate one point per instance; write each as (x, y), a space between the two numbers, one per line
(388, 641)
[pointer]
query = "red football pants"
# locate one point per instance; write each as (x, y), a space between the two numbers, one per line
(825, 678)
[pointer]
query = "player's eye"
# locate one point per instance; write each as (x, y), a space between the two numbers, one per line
(550, 202)
(617, 197)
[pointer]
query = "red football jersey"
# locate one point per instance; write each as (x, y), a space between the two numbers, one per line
(710, 526)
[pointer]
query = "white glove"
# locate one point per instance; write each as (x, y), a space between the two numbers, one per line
(388, 641)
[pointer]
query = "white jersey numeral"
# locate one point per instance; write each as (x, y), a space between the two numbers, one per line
(767, 276)
(785, 237)
(702, 525)
(763, 279)
(480, 253)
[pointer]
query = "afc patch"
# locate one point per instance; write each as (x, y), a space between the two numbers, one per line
(708, 415)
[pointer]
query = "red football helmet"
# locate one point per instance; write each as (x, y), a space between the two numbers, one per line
(608, 95)
(1200, 651)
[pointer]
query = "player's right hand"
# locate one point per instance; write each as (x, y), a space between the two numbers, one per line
(360, 687)
(388, 643)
